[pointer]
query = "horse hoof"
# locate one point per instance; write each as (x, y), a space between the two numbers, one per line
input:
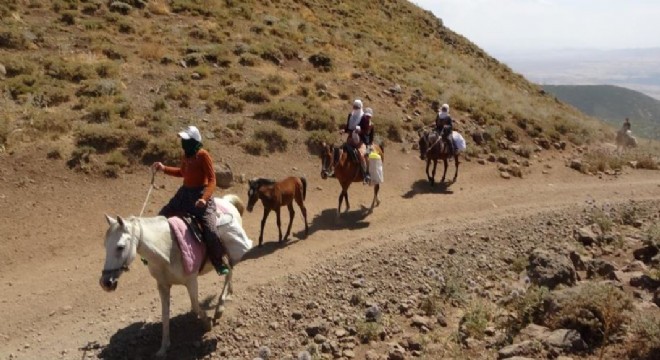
(161, 354)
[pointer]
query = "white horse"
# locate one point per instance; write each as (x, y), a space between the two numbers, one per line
(152, 239)
(625, 139)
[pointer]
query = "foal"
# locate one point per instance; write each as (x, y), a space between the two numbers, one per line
(273, 196)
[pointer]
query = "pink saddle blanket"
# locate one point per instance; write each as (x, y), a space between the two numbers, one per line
(192, 252)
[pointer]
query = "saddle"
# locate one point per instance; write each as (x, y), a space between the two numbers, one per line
(195, 227)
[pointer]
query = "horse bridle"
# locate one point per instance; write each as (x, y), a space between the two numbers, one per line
(327, 166)
(124, 267)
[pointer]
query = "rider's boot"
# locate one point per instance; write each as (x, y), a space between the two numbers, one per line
(366, 178)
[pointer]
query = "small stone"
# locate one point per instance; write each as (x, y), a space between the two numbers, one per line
(359, 283)
(505, 175)
(340, 333)
(297, 315)
(420, 321)
(348, 354)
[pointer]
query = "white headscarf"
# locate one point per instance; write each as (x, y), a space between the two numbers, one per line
(356, 115)
(444, 111)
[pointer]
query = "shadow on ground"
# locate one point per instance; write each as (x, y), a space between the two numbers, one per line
(141, 340)
(421, 186)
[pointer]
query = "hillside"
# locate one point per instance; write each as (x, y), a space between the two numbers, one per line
(102, 85)
(613, 104)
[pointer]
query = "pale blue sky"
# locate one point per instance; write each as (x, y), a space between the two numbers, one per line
(506, 26)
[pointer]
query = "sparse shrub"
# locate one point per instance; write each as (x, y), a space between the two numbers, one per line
(159, 104)
(602, 220)
(274, 139)
(253, 95)
(21, 85)
(12, 38)
(249, 60)
(152, 51)
(18, 65)
(162, 149)
(70, 71)
(274, 84)
(101, 138)
(392, 130)
(89, 8)
(229, 103)
(54, 154)
(237, 126)
(286, 113)
(317, 138)
(451, 289)
(511, 134)
(120, 7)
(98, 88)
(528, 308)
(476, 319)
(68, 17)
(601, 160)
(110, 171)
(646, 338)
(179, 93)
(431, 305)
(158, 7)
(519, 264)
(80, 156)
(195, 7)
(254, 147)
(50, 124)
(125, 27)
(629, 214)
(4, 130)
(368, 331)
(653, 236)
(321, 61)
(596, 311)
(117, 158)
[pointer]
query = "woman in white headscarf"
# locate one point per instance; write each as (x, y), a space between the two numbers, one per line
(353, 126)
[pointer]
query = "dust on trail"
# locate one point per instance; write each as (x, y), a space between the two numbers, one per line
(52, 304)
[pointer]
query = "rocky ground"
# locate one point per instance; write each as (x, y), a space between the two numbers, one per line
(561, 284)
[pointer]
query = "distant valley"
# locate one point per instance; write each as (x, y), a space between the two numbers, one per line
(613, 104)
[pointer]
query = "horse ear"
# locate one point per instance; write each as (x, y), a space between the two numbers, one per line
(110, 220)
(121, 221)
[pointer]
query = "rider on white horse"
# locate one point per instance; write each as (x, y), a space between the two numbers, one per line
(195, 195)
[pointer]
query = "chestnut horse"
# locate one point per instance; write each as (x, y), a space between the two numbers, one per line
(274, 195)
(336, 161)
(433, 148)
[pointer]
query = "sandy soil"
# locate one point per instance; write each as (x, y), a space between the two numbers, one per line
(52, 227)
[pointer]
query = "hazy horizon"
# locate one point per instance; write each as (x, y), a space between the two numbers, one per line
(564, 42)
(513, 26)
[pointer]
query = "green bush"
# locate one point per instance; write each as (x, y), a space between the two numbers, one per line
(646, 339)
(253, 95)
(317, 138)
(18, 65)
(229, 103)
(274, 84)
(70, 71)
(165, 150)
(274, 139)
(286, 113)
(100, 137)
(117, 158)
(254, 147)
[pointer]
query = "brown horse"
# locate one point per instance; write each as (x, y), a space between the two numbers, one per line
(273, 196)
(433, 148)
(336, 161)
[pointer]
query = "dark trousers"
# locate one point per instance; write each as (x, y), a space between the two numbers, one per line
(182, 203)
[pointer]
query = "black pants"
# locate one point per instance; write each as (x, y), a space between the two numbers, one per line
(184, 202)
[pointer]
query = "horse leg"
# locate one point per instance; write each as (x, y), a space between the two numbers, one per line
(428, 174)
(164, 292)
(302, 207)
(292, 213)
(375, 202)
(348, 205)
(279, 225)
(444, 173)
(456, 173)
(225, 295)
(341, 199)
(263, 222)
(435, 167)
(194, 303)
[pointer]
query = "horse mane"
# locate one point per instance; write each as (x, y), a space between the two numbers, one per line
(263, 181)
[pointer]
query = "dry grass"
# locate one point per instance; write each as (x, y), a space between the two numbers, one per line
(152, 51)
(158, 7)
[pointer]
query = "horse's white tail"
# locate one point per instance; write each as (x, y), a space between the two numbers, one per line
(236, 201)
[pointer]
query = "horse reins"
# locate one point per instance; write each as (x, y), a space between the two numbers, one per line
(151, 187)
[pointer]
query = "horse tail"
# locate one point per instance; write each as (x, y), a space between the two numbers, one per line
(304, 184)
(236, 201)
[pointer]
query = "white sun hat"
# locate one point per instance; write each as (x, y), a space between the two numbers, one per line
(191, 133)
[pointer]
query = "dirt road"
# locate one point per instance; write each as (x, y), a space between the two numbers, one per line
(52, 228)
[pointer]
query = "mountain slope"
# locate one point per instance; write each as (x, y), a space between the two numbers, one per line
(613, 104)
(104, 84)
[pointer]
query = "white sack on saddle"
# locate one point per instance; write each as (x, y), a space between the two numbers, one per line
(375, 169)
(231, 231)
(459, 141)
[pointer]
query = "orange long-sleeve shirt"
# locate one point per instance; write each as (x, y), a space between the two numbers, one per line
(196, 171)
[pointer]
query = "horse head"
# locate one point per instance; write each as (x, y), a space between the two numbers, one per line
(327, 160)
(423, 143)
(253, 194)
(120, 251)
